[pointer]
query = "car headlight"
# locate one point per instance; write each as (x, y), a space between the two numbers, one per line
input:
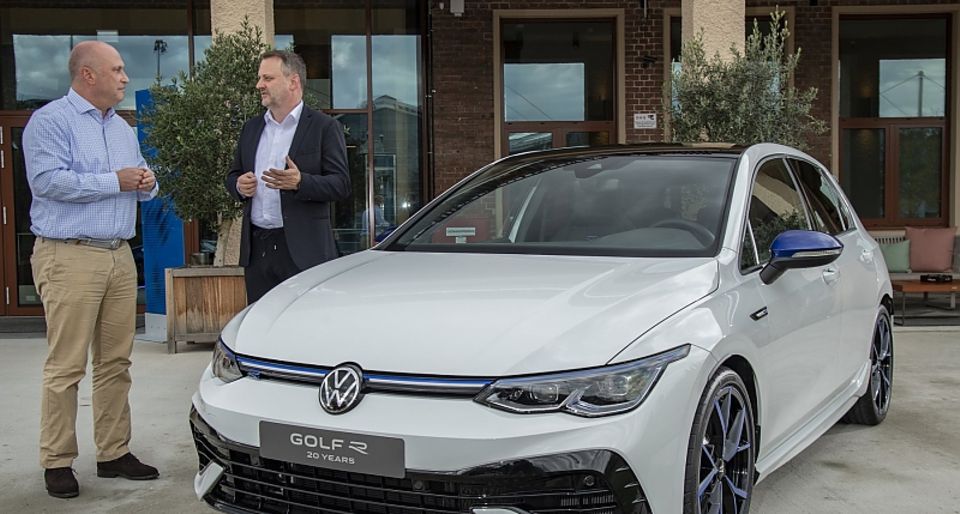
(589, 393)
(224, 364)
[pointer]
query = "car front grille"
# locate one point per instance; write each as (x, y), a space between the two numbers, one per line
(254, 484)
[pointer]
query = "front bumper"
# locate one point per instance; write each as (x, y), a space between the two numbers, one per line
(591, 481)
(450, 436)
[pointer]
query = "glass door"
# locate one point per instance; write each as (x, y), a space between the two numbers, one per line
(19, 294)
(895, 118)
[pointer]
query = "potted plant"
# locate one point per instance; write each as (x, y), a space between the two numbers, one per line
(193, 127)
(745, 99)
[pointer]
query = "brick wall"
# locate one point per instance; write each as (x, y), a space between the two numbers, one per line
(463, 117)
(462, 70)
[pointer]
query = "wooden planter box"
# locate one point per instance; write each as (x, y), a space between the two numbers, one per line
(200, 301)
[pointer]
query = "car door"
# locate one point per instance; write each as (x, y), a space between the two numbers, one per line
(803, 310)
(856, 269)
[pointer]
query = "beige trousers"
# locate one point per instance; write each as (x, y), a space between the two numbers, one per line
(90, 299)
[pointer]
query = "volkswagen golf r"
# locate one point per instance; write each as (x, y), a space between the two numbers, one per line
(621, 330)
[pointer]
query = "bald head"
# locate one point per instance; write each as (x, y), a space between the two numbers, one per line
(90, 54)
(97, 73)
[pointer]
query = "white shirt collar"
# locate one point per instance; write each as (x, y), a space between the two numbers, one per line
(294, 114)
(82, 105)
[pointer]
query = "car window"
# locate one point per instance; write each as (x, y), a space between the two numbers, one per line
(775, 206)
(640, 204)
(822, 197)
(748, 251)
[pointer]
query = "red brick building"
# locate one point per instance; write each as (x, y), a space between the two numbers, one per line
(429, 91)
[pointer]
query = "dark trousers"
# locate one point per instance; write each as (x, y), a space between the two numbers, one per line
(270, 262)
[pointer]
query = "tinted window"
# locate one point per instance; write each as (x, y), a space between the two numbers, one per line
(894, 67)
(646, 205)
(775, 206)
(822, 197)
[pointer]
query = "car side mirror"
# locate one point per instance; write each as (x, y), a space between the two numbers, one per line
(799, 249)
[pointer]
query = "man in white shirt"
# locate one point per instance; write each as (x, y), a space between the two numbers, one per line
(290, 164)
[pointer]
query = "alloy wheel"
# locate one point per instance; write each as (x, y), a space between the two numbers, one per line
(726, 463)
(881, 365)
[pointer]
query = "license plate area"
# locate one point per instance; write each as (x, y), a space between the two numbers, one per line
(330, 449)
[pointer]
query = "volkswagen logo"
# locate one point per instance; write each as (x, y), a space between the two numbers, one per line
(340, 389)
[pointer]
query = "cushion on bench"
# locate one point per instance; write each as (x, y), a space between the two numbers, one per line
(897, 256)
(931, 249)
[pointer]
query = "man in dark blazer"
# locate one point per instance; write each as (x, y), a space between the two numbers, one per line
(290, 164)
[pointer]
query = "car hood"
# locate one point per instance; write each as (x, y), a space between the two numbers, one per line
(478, 315)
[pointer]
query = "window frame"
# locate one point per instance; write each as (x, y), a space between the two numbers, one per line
(892, 125)
(891, 168)
(806, 193)
(748, 226)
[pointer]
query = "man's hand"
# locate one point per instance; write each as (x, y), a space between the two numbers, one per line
(147, 180)
(130, 178)
(288, 179)
(247, 184)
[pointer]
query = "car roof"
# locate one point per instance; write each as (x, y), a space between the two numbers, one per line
(727, 149)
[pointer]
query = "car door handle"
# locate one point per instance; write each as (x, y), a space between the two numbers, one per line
(831, 275)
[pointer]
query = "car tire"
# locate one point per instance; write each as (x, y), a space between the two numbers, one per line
(872, 407)
(721, 452)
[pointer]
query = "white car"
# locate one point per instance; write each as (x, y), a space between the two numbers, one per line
(640, 329)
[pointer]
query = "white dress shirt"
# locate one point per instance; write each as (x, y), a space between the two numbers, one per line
(272, 153)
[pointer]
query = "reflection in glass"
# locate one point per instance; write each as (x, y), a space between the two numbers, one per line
(639, 205)
(349, 71)
(347, 225)
(45, 77)
(396, 127)
(558, 70)
(921, 155)
(37, 42)
(544, 92)
(588, 138)
(396, 71)
(893, 67)
(775, 206)
(340, 65)
(912, 87)
(822, 198)
(862, 170)
(23, 238)
(529, 141)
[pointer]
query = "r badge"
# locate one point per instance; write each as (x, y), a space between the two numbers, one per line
(340, 390)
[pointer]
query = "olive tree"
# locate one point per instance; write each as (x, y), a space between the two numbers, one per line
(194, 125)
(745, 99)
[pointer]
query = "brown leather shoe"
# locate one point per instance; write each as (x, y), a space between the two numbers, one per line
(61, 483)
(128, 467)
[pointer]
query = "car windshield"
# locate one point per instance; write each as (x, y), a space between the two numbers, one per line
(647, 204)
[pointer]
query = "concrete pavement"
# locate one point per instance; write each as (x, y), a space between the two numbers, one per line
(910, 464)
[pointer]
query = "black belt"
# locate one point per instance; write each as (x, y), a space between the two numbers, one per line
(106, 244)
(265, 233)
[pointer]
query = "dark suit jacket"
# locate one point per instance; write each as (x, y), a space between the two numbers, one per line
(319, 150)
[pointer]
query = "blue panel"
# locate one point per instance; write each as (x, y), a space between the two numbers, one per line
(792, 241)
(161, 228)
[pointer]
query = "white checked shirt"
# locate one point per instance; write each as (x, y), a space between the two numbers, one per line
(272, 153)
(72, 153)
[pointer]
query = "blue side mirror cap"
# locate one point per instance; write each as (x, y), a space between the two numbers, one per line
(800, 243)
(800, 249)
